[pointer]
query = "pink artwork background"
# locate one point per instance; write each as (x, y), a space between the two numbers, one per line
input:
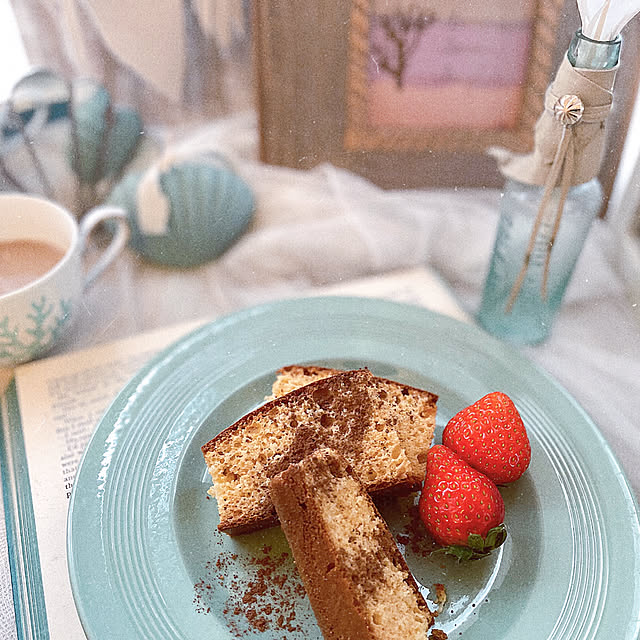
(460, 75)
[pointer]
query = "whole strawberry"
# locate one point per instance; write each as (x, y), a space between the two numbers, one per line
(490, 436)
(461, 508)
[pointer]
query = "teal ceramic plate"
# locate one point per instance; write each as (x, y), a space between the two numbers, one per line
(145, 558)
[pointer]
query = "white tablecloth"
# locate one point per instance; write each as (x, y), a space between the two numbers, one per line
(327, 226)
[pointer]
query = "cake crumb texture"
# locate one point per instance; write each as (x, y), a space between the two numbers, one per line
(409, 410)
(338, 411)
(358, 583)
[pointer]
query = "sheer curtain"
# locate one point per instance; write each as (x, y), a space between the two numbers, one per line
(624, 211)
(174, 60)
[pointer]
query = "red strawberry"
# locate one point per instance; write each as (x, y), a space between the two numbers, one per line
(461, 508)
(490, 436)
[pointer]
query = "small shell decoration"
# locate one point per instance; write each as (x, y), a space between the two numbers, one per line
(208, 207)
(568, 110)
(48, 118)
(105, 136)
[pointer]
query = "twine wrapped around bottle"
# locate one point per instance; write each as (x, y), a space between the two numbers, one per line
(568, 146)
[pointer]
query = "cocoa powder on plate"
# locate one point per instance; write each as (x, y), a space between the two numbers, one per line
(260, 592)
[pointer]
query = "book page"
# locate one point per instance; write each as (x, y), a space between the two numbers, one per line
(63, 398)
(61, 402)
(418, 286)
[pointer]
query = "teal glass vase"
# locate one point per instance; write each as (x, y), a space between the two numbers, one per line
(528, 317)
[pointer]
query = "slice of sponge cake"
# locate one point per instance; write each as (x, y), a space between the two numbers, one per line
(336, 412)
(358, 583)
(410, 411)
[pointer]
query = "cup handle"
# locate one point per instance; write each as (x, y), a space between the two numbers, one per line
(120, 238)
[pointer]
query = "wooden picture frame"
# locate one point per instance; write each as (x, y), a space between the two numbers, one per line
(479, 82)
(313, 74)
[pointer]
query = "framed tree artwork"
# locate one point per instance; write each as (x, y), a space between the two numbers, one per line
(406, 93)
(417, 71)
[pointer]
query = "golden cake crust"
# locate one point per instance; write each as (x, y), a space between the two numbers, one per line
(358, 583)
(412, 411)
(335, 411)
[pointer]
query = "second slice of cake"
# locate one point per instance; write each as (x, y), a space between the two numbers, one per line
(409, 410)
(335, 412)
(358, 583)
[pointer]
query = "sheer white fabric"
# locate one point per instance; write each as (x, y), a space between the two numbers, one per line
(174, 60)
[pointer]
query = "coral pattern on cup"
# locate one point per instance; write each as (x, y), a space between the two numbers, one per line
(42, 328)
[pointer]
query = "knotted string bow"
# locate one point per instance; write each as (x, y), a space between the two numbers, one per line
(569, 111)
(573, 138)
(568, 145)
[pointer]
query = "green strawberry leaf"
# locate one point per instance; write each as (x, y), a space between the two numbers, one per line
(460, 552)
(476, 541)
(496, 537)
(477, 546)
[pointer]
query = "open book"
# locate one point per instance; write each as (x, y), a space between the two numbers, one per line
(48, 414)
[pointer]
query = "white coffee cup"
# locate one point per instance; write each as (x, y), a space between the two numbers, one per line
(35, 316)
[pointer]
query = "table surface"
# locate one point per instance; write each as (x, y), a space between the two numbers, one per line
(327, 226)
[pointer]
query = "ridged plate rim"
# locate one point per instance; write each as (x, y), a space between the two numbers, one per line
(111, 514)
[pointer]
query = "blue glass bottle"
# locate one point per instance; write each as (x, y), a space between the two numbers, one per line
(528, 318)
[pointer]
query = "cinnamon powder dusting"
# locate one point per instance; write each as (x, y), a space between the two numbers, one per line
(409, 531)
(260, 592)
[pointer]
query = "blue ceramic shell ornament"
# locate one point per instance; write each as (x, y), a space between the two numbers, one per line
(34, 130)
(185, 212)
(104, 137)
(47, 119)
